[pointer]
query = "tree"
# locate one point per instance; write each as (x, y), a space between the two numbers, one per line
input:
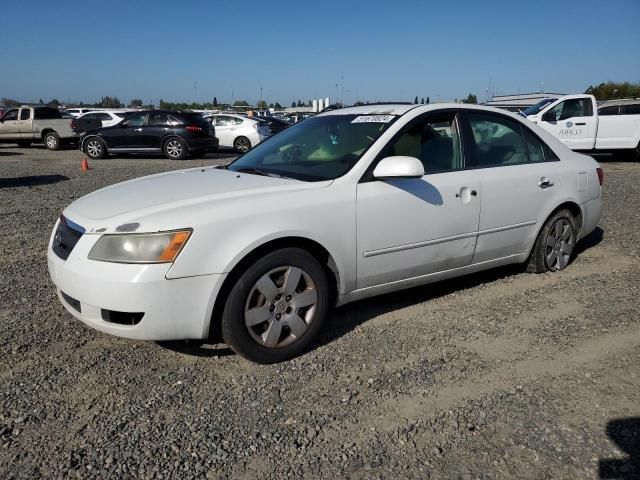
(41, 102)
(293, 104)
(54, 103)
(612, 90)
(261, 104)
(240, 103)
(471, 98)
(277, 106)
(422, 100)
(428, 101)
(110, 102)
(416, 100)
(215, 101)
(299, 103)
(135, 103)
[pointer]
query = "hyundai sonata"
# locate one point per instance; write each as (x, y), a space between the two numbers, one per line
(345, 205)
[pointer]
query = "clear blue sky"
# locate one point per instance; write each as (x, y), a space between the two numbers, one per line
(386, 50)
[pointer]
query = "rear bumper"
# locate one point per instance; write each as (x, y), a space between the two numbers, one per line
(591, 212)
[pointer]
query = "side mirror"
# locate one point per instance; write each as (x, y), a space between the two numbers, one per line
(548, 117)
(399, 167)
(123, 124)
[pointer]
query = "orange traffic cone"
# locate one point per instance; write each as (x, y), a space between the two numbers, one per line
(84, 166)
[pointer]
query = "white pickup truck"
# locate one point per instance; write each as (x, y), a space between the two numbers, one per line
(26, 125)
(575, 121)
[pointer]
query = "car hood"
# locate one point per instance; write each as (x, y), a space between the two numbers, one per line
(162, 201)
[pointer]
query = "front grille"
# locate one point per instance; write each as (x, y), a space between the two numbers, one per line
(122, 318)
(66, 236)
(73, 303)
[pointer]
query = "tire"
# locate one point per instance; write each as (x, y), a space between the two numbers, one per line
(24, 144)
(51, 141)
(267, 319)
(555, 243)
(95, 148)
(174, 148)
(242, 145)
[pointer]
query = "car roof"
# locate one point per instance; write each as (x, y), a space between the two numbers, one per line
(622, 101)
(401, 109)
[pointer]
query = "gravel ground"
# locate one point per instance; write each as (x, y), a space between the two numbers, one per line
(497, 375)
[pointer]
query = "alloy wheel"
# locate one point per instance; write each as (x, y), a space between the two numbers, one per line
(94, 148)
(559, 244)
(52, 142)
(243, 145)
(174, 148)
(280, 306)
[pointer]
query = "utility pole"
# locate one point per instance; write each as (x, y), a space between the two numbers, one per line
(342, 90)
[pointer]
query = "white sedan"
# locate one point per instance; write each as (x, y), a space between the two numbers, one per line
(346, 205)
(238, 132)
(108, 118)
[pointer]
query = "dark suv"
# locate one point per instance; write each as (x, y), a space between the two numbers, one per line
(176, 134)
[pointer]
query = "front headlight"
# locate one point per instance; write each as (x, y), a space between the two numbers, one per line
(162, 247)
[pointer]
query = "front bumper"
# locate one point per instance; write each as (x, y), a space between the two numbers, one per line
(174, 309)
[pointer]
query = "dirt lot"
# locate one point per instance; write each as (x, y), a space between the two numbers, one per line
(497, 375)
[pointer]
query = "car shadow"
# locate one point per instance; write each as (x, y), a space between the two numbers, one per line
(197, 349)
(31, 181)
(625, 433)
(8, 154)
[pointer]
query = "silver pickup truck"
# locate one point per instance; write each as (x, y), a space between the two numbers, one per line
(27, 125)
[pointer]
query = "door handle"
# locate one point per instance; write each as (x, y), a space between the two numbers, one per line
(581, 123)
(137, 129)
(545, 183)
(463, 190)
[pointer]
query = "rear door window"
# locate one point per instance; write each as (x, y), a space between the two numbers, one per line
(158, 119)
(25, 114)
(610, 110)
(631, 109)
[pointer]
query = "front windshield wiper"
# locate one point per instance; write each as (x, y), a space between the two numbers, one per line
(257, 171)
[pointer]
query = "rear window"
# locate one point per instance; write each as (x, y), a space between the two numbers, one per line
(46, 113)
(631, 109)
(196, 119)
(610, 110)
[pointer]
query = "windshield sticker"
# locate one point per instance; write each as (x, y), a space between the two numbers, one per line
(373, 119)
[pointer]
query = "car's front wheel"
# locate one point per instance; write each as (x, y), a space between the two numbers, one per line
(175, 149)
(95, 148)
(555, 243)
(242, 144)
(276, 306)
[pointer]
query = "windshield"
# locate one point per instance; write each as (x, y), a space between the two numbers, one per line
(535, 109)
(320, 148)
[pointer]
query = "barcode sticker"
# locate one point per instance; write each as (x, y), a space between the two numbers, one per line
(373, 119)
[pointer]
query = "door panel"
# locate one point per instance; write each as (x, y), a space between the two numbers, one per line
(511, 204)
(573, 123)
(10, 127)
(519, 178)
(413, 227)
(25, 124)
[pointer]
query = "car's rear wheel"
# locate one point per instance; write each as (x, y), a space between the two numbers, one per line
(555, 243)
(242, 144)
(276, 306)
(24, 144)
(95, 148)
(175, 149)
(52, 141)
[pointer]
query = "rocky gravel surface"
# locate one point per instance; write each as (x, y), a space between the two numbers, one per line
(496, 375)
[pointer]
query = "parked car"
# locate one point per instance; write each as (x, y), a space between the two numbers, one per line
(76, 112)
(238, 132)
(576, 121)
(26, 125)
(620, 107)
(98, 119)
(275, 125)
(342, 206)
(174, 133)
